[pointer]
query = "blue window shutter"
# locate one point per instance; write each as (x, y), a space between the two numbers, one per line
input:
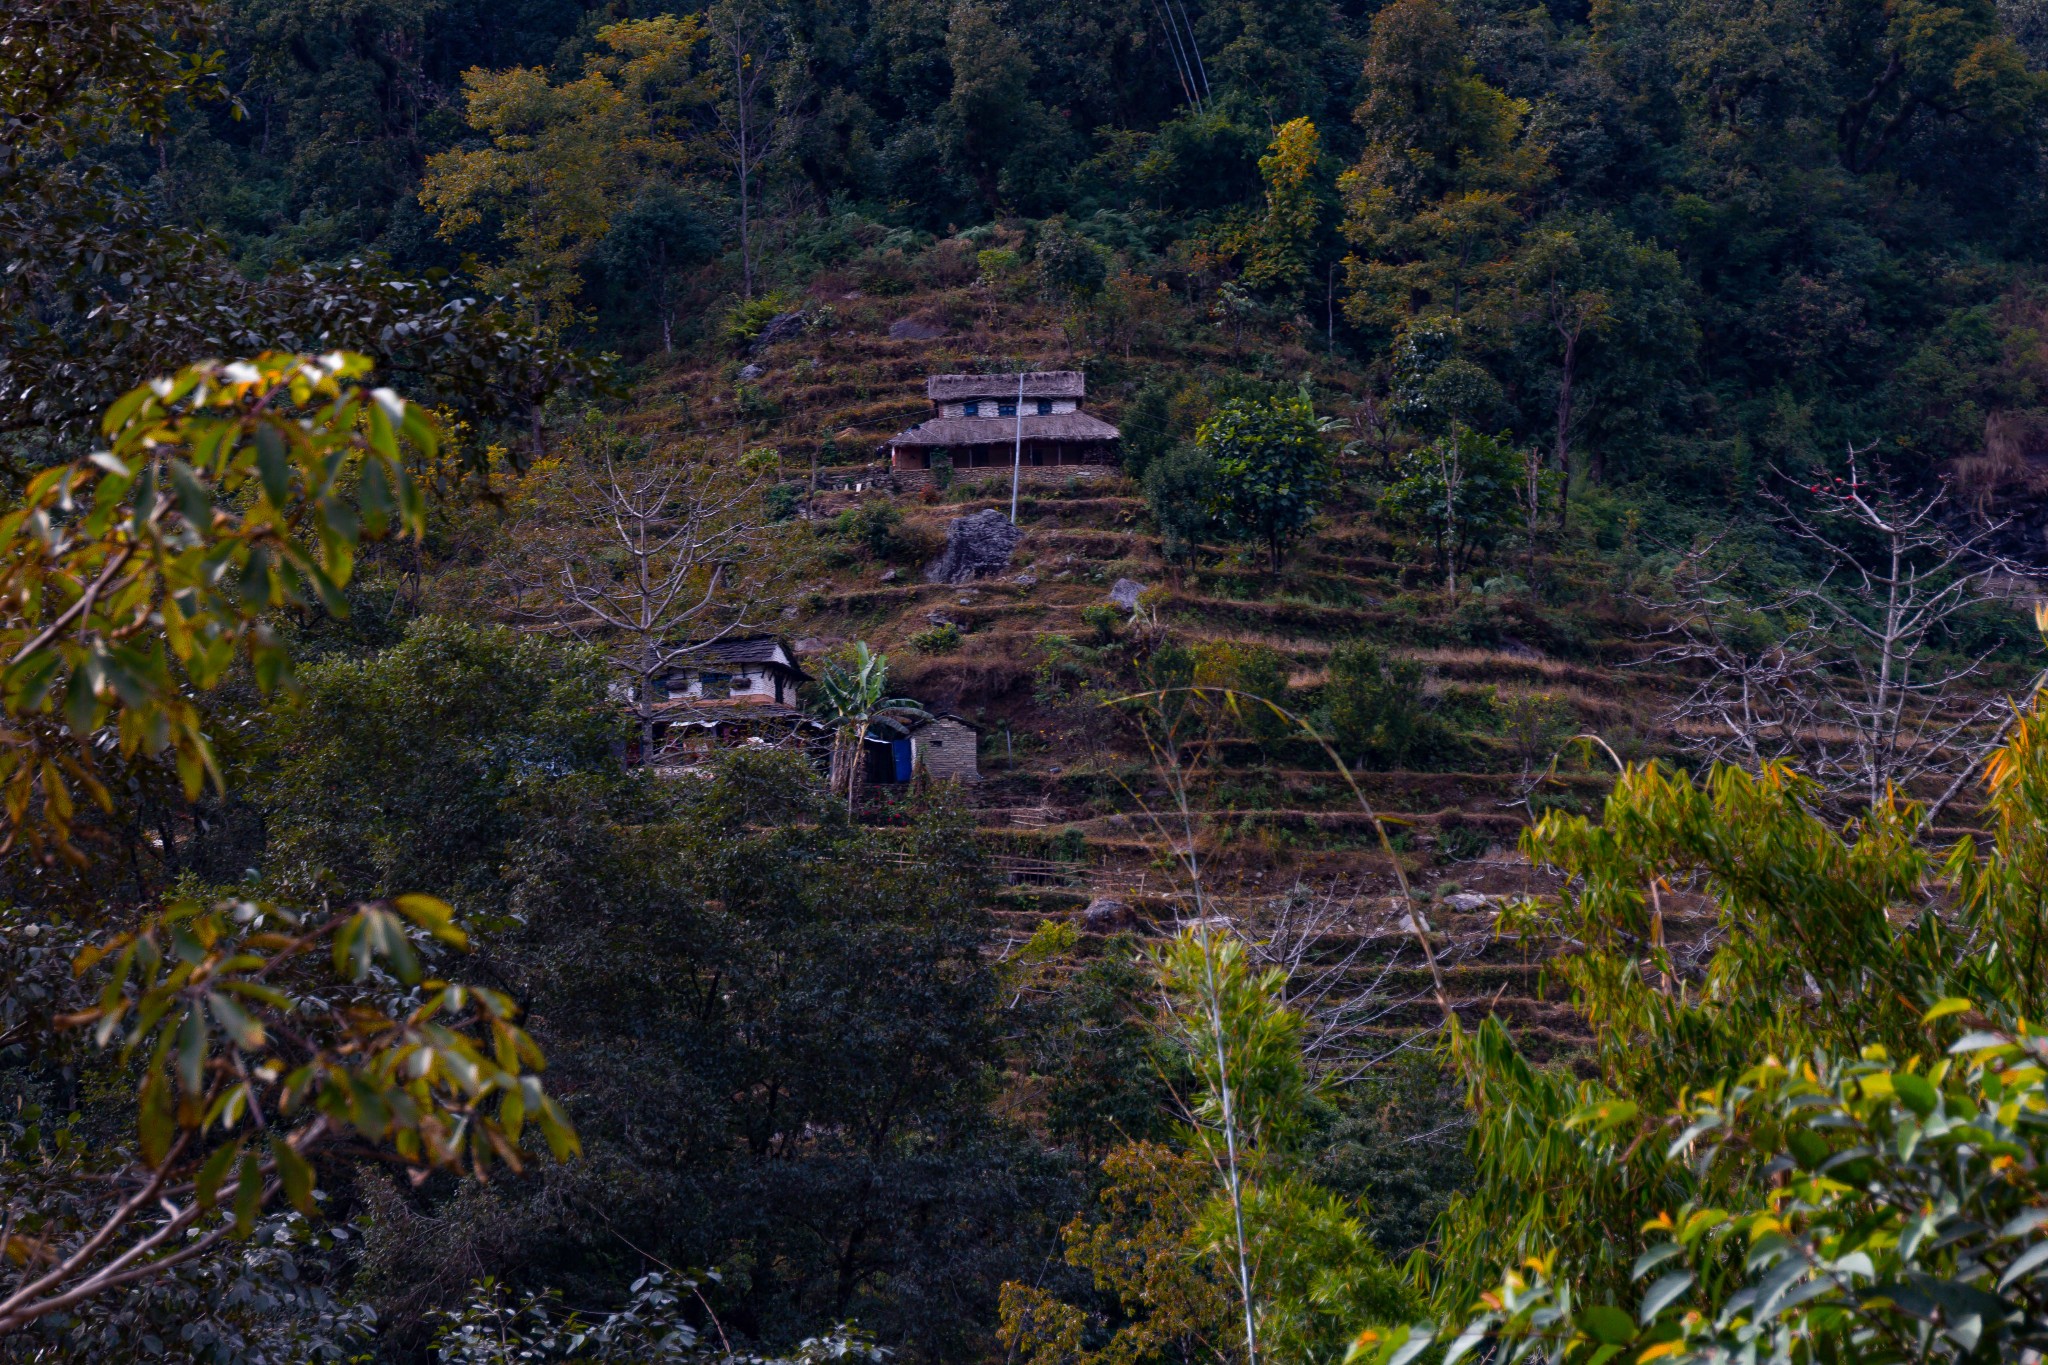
(900, 750)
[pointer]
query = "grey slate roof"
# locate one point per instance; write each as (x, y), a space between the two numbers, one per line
(947, 388)
(745, 649)
(983, 431)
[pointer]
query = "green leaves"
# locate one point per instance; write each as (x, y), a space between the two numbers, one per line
(1937, 1237)
(131, 577)
(1272, 468)
(205, 993)
(1458, 493)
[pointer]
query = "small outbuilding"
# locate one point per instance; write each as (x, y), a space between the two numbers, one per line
(947, 747)
(944, 748)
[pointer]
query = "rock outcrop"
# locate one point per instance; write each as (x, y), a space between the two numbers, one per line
(975, 547)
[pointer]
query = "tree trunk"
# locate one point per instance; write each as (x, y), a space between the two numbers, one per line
(1532, 463)
(743, 96)
(1561, 445)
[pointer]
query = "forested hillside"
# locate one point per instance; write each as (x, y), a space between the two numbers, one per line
(1506, 811)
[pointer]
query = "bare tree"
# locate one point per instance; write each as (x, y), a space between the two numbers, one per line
(1348, 960)
(1853, 676)
(672, 555)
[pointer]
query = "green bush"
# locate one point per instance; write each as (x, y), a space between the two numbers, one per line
(1373, 703)
(747, 319)
(1460, 843)
(1180, 490)
(1103, 619)
(943, 638)
(875, 527)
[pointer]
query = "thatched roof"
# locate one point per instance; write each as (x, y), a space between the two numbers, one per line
(988, 431)
(948, 388)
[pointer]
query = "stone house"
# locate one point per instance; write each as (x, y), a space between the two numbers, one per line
(1034, 421)
(944, 748)
(737, 690)
(947, 747)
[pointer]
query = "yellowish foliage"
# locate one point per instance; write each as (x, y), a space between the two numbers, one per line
(1285, 238)
(1448, 175)
(1178, 1304)
(563, 159)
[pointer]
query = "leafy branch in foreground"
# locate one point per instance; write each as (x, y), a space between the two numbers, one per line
(130, 582)
(136, 576)
(245, 1073)
(1903, 1221)
(1790, 1147)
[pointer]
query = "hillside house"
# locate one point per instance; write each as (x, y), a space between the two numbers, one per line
(738, 690)
(978, 421)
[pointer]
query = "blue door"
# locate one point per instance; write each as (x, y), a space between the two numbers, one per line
(900, 750)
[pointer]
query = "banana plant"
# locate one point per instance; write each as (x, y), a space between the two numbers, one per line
(851, 698)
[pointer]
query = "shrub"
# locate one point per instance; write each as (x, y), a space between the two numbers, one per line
(1070, 846)
(1460, 843)
(1103, 619)
(998, 265)
(747, 319)
(1250, 670)
(940, 639)
(1374, 706)
(1180, 489)
(874, 526)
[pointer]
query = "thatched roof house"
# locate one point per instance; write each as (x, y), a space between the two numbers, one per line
(988, 420)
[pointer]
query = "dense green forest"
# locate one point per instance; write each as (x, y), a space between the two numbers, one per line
(1514, 818)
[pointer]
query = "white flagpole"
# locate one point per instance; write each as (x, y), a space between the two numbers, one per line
(1017, 465)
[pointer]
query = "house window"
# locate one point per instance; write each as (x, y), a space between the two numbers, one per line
(1045, 407)
(716, 684)
(971, 409)
(1006, 409)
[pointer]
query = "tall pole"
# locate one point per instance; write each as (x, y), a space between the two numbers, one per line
(1017, 465)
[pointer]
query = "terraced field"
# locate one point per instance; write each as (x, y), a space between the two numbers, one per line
(1071, 805)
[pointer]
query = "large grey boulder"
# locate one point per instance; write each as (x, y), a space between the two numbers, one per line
(1126, 593)
(975, 546)
(782, 327)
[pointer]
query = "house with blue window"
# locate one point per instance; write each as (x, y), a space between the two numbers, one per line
(1033, 420)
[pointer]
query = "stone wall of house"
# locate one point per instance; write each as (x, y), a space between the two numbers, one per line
(946, 749)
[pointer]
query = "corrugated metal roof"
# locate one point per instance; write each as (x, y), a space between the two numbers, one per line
(945, 388)
(983, 431)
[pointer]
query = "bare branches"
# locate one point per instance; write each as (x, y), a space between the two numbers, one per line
(671, 555)
(1349, 973)
(1852, 676)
